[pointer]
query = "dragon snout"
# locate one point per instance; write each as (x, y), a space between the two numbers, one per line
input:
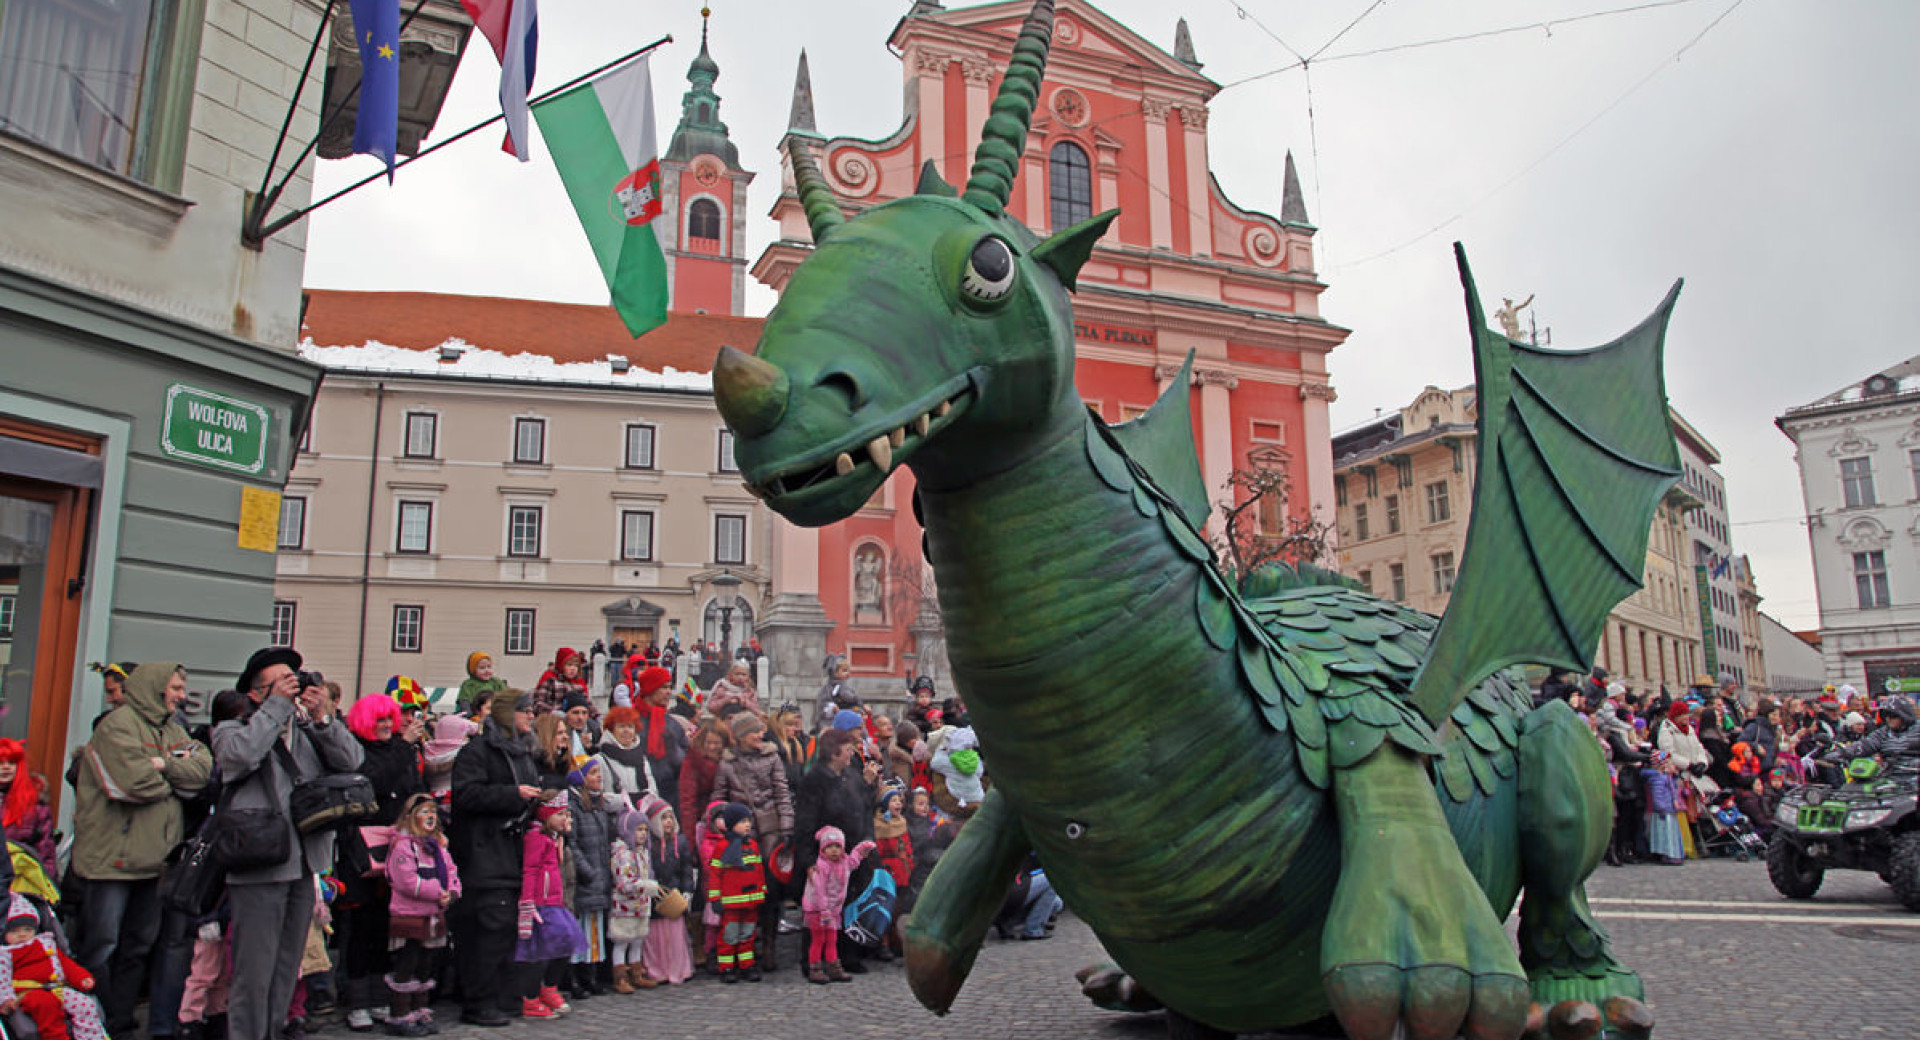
(751, 393)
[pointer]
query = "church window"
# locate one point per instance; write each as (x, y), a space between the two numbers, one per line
(703, 219)
(1070, 181)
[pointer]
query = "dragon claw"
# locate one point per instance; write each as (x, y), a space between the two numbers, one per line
(1429, 1002)
(1110, 987)
(1619, 1018)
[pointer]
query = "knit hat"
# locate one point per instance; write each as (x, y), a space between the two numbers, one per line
(1677, 709)
(651, 679)
(20, 914)
(550, 808)
(746, 724)
(846, 719)
(578, 777)
(473, 662)
(1853, 718)
(830, 835)
(505, 703)
(408, 694)
(732, 813)
(575, 699)
(632, 822)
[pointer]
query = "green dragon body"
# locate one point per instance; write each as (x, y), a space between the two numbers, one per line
(1269, 804)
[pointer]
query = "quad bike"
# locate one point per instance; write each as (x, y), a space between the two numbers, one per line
(1868, 823)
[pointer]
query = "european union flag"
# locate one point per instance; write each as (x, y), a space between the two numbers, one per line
(376, 127)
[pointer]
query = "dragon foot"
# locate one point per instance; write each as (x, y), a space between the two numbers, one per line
(1606, 1005)
(1110, 987)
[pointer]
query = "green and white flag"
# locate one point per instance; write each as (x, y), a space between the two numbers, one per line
(601, 137)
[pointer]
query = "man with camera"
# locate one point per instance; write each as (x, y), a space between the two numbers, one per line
(290, 736)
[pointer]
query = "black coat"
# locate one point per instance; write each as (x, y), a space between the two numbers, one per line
(844, 801)
(489, 816)
(666, 768)
(592, 846)
(394, 767)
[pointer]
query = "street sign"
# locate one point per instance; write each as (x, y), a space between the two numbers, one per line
(214, 430)
(1903, 685)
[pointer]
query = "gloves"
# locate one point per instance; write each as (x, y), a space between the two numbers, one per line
(210, 932)
(1698, 769)
(528, 915)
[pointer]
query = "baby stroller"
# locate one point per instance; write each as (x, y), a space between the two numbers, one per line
(22, 873)
(1733, 834)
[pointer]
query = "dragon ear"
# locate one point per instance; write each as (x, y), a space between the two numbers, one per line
(1067, 250)
(931, 183)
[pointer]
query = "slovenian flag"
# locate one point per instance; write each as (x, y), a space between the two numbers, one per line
(601, 137)
(512, 27)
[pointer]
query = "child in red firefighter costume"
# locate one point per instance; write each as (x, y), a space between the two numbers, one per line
(737, 884)
(46, 983)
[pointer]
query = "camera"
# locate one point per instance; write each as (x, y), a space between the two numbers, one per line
(310, 678)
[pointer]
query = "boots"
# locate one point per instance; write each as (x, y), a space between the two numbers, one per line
(835, 973)
(638, 976)
(621, 980)
(816, 974)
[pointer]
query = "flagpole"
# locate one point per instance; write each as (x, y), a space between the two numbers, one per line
(255, 237)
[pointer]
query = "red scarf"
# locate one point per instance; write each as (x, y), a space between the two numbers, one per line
(656, 718)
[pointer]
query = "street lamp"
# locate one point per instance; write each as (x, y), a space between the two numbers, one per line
(725, 599)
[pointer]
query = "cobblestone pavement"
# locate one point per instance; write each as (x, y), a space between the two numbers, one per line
(1723, 956)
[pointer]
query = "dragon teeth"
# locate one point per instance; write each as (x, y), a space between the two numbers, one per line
(843, 464)
(897, 437)
(945, 407)
(921, 425)
(882, 454)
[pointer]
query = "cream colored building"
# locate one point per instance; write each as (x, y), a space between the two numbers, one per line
(1404, 486)
(454, 497)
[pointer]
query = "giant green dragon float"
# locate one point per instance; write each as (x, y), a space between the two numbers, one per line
(1271, 800)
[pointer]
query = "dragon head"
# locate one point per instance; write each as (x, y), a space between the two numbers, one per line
(932, 331)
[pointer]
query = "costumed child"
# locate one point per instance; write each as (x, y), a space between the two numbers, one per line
(590, 848)
(634, 891)
(737, 884)
(424, 882)
(957, 773)
(825, 897)
(1663, 807)
(664, 952)
(709, 838)
(894, 845)
(50, 986)
(549, 935)
(479, 680)
(205, 994)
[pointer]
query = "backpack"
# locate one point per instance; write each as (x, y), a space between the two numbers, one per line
(867, 918)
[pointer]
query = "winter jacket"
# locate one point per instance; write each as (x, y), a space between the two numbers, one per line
(666, 766)
(551, 692)
(1891, 746)
(1662, 796)
(894, 847)
(255, 776)
(725, 692)
(1760, 733)
(541, 881)
(592, 846)
(675, 865)
(696, 786)
(411, 863)
(127, 814)
(488, 812)
(36, 831)
(394, 767)
(759, 782)
(39, 963)
(737, 887)
(471, 689)
(634, 887)
(825, 798)
(827, 882)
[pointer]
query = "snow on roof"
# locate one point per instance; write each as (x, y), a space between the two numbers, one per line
(481, 363)
(1903, 378)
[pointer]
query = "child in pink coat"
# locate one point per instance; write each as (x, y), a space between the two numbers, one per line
(823, 900)
(549, 933)
(424, 881)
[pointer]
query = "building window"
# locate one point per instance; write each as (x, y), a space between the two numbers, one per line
(408, 621)
(293, 522)
(727, 465)
(1268, 432)
(306, 437)
(1070, 185)
(1439, 504)
(416, 528)
(636, 535)
(1360, 530)
(1365, 578)
(530, 440)
(6, 616)
(519, 641)
(523, 531)
(423, 434)
(1856, 481)
(729, 538)
(1870, 579)
(283, 615)
(1442, 573)
(703, 219)
(1397, 577)
(639, 446)
(100, 81)
(1393, 514)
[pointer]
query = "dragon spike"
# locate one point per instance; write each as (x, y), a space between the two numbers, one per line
(823, 209)
(997, 160)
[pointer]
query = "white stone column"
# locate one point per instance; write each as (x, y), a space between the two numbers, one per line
(1314, 399)
(979, 76)
(929, 103)
(1199, 200)
(1216, 429)
(1159, 207)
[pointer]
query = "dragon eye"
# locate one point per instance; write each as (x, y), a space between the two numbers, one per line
(989, 270)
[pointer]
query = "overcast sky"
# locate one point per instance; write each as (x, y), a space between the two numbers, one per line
(1765, 150)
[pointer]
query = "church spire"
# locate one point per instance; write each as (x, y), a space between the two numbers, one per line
(700, 129)
(1183, 46)
(800, 117)
(1293, 204)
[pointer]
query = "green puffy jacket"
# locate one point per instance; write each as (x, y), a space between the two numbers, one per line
(127, 814)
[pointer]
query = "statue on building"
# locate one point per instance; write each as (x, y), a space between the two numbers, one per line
(868, 598)
(1509, 315)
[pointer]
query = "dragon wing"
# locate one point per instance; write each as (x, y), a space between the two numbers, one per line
(1575, 453)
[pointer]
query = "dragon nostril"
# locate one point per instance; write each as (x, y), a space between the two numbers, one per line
(846, 386)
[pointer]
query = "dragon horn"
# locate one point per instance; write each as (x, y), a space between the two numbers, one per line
(823, 210)
(997, 159)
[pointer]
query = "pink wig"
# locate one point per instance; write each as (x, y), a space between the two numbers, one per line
(365, 715)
